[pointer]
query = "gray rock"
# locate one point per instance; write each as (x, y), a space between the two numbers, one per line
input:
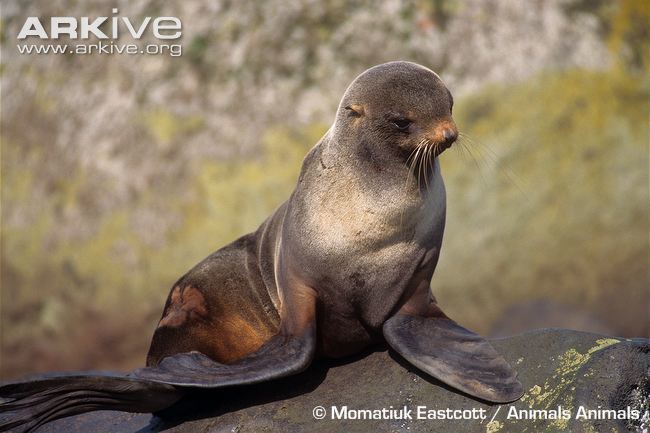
(562, 368)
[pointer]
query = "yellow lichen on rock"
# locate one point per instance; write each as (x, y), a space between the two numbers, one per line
(493, 426)
(556, 388)
(603, 343)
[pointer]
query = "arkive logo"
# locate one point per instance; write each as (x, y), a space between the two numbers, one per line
(72, 35)
(83, 28)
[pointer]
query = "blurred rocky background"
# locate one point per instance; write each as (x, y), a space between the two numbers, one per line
(119, 172)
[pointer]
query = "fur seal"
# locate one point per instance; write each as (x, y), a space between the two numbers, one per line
(344, 263)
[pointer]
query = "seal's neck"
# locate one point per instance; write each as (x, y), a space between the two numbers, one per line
(381, 171)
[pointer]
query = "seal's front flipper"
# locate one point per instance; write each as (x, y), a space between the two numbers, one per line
(454, 355)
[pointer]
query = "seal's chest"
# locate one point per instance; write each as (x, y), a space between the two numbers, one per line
(370, 223)
(357, 227)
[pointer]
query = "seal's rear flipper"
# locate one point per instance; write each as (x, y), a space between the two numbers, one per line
(289, 352)
(37, 402)
(151, 389)
(282, 355)
(458, 357)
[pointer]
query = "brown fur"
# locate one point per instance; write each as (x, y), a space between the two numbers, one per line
(186, 303)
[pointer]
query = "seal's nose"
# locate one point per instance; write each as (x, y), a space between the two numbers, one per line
(450, 135)
(443, 134)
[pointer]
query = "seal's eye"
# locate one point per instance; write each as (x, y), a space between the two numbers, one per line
(401, 124)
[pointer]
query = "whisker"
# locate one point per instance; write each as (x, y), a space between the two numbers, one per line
(479, 168)
(460, 150)
(430, 156)
(409, 165)
(489, 154)
(419, 167)
(423, 163)
(412, 163)
(409, 173)
(436, 149)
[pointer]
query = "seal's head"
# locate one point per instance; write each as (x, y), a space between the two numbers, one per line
(397, 108)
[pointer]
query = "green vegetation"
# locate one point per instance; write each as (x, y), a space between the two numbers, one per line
(118, 175)
(558, 209)
(165, 127)
(96, 291)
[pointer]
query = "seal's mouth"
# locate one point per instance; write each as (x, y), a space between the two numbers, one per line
(422, 158)
(442, 146)
(437, 147)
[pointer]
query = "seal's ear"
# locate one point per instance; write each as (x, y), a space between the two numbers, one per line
(355, 110)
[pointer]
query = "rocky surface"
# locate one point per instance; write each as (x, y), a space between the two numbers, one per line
(121, 172)
(562, 368)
